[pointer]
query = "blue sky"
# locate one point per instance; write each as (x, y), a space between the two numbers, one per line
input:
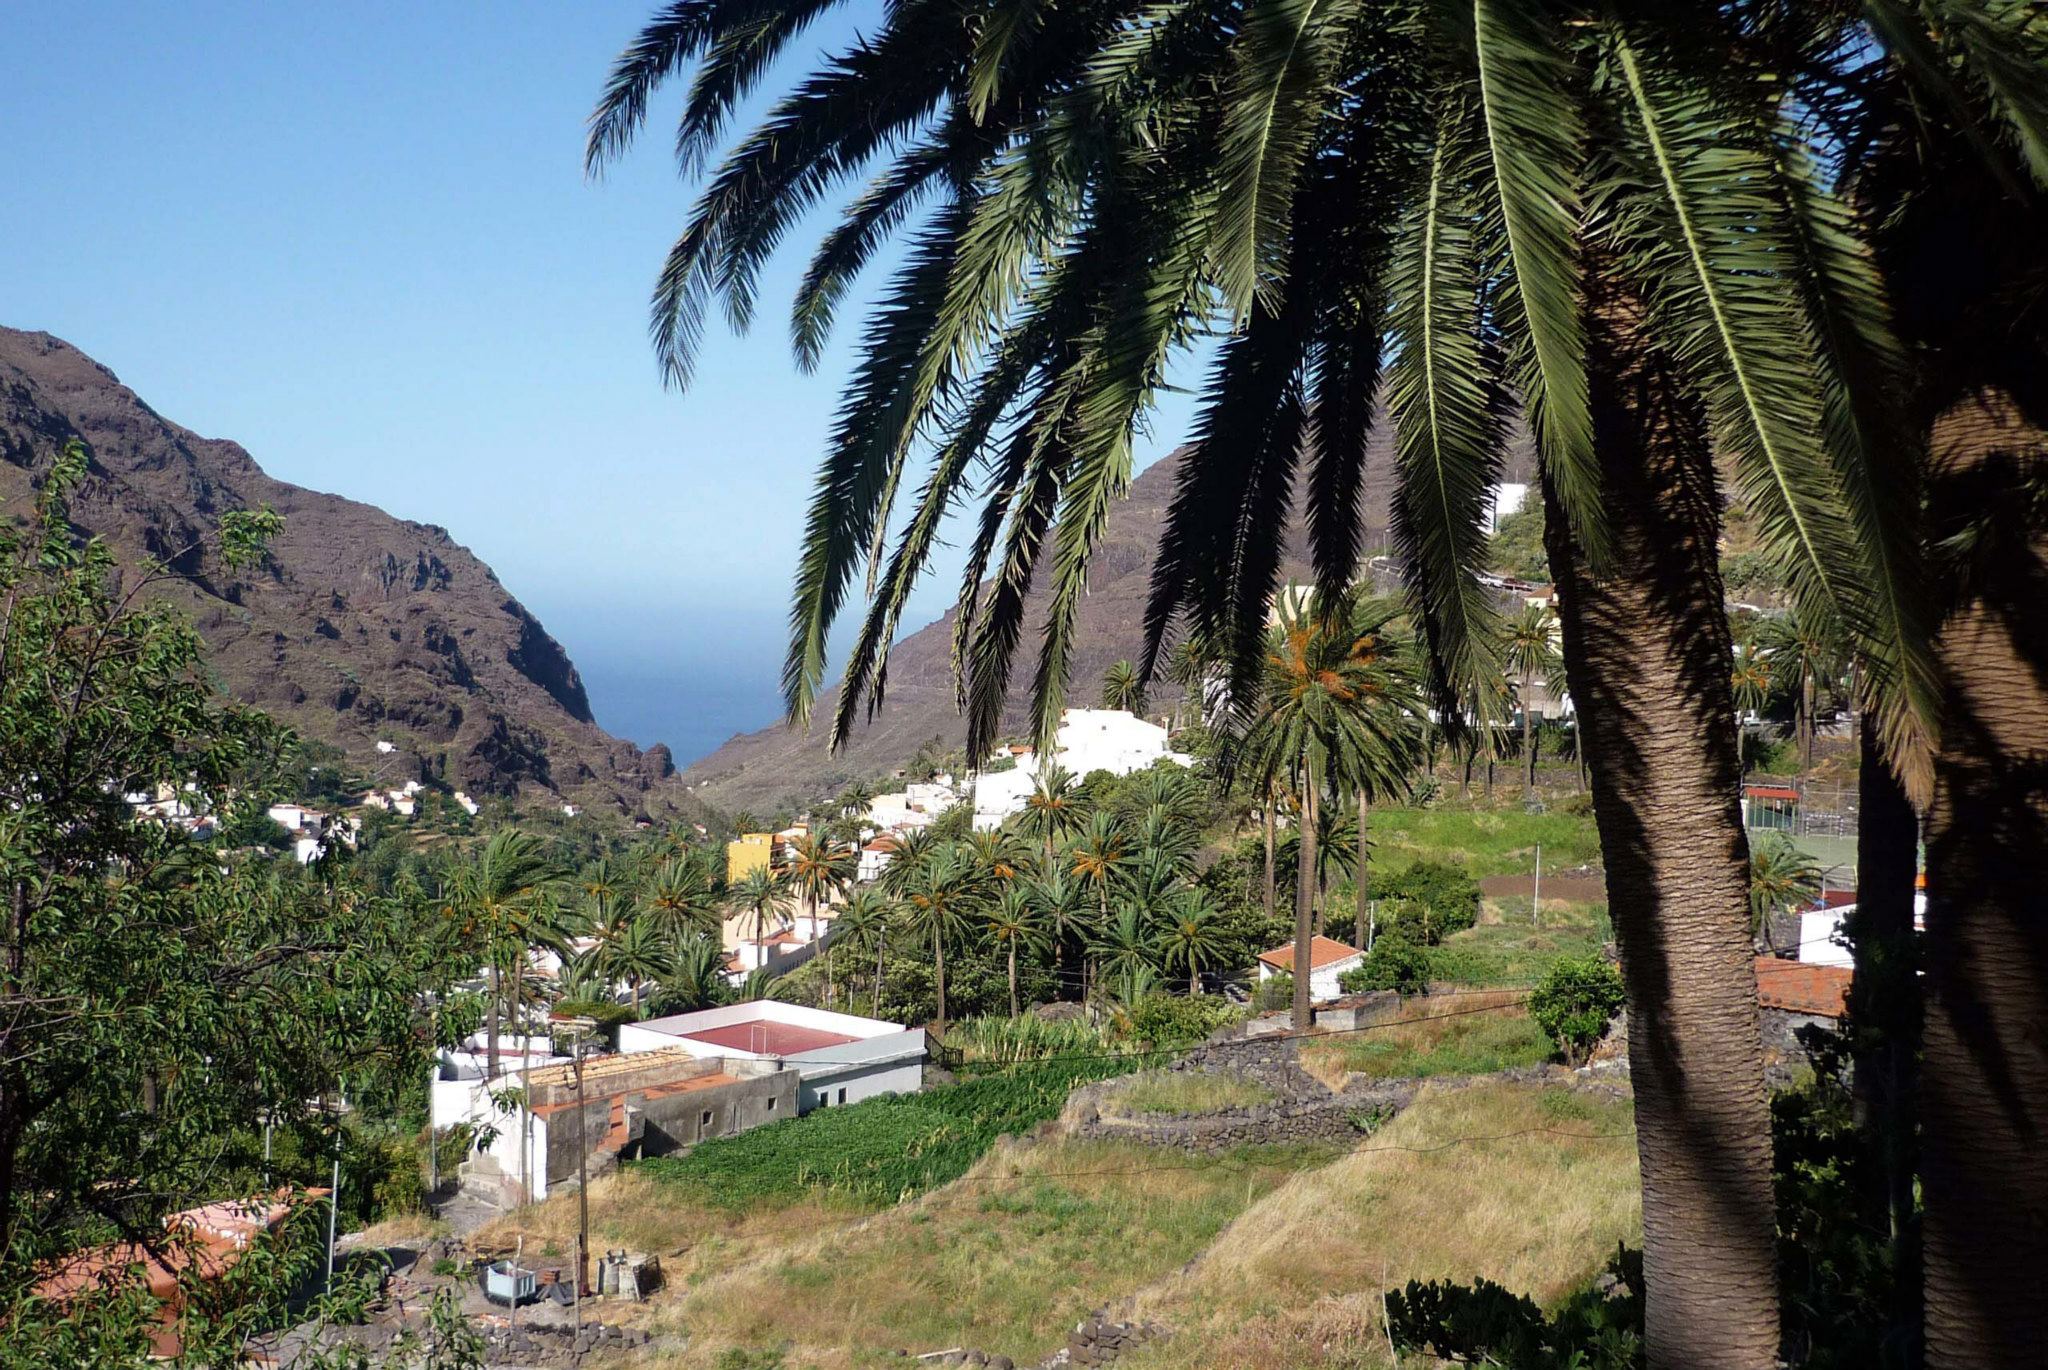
(357, 239)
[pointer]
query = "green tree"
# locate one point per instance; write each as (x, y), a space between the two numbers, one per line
(1193, 938)
(1578, 998)
(1123, 688)
(761, 897)
(635, 950)
(1782, 879)
(1751, 681)
(1807, 653)
(680, 897)
(1629, 217)
(820, 870)
(1516, 548)
(863, 924)
(1063, 901)
(158, 996)
(1529, 651)
(1338, 714)
(939, 905)
(1054, 810)
(502, 895)
(1015, 923)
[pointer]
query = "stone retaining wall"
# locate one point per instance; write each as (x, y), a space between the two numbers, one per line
(1302, 1117)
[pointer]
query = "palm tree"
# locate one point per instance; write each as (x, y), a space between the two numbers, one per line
(1192, 938)
(1338, 713)
(1126, 942)
(1014, 921)
(1096, 856)
(696, 974)
(1529, 651)
(1062, 900)
(914, 848)
(680, 897)
(1751, 682)
(1806, 648)
(863, 924)
(1782, 878)
(1123, 688)
(940, 905)
(762, 898)
(501, 895)
(635, 950)
(1188, 667)
(856, 799)
(1054, 810)
(1629, 209)
(999, 855)
(818, 870)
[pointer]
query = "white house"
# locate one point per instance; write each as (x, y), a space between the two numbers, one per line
(875, 855)
(1112, 740)
(840, 1058)
(1328, 959)
(1821, 940)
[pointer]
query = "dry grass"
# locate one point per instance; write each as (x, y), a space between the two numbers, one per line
(693, 1240)
(1296, 1281)
(1006, 1259)
(1464, 1034)
(1180, 1092)
(409, 1230)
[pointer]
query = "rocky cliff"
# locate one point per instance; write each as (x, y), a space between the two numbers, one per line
(361, 627)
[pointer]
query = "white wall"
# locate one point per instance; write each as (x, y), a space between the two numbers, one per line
(1322, 982)
(885, 1058)
(1820, 937)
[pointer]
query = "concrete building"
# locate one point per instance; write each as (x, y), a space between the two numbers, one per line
(1328, 959)
(646, 1104)
(840, 1058)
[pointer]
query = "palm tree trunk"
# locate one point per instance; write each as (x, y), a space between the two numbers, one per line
(1529, 736)
(1984, 1082)
(1805, 721)
(1304, 907)
(1272, 878)
(1013, 978)
(1647, 651)
(879, 946)
(491, 1030)
(1884, 1007)
(1363, 916)
(939, 971)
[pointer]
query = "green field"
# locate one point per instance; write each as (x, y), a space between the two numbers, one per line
(1490, 841)
(882, 1150)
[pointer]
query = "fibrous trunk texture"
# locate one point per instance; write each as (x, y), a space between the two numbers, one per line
(1647, 652)
(1984, 1083)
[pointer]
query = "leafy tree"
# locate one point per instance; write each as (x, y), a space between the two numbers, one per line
(1063, 901)
(1578, 998)
(635, 950)
(1808, 656)
(157, 996)
(863, 924)
(1393, 963)
(1516, 547)
(1430, 900)
(761, 897)
(1054, 810)
(680, 898)
(1752, 683)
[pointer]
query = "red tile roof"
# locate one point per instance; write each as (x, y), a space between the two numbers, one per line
(1801, 987)
(1324, 951)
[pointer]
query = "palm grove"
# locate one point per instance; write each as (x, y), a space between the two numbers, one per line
(1753, 250)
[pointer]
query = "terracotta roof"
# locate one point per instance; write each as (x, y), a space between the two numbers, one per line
(1324, 951)
(1801, 987)
(1771, 792)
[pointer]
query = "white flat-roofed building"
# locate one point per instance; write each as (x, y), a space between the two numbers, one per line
(840, 1058)
(1090, 740)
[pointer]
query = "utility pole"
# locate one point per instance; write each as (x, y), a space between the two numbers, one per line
(1536, 889)
(582, 1028)
(334, 1193)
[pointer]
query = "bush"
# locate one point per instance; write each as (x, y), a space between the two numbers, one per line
(1393, 963)
(1274, 993)
(1427, 901)
(1576, 1002)
(1484, 1324)
(1169, 1022)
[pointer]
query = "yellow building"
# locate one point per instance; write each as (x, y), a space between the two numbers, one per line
(752, 852)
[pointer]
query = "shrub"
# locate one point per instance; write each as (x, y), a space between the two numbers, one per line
(1274, 993)
(1576, 1002)
(1428, 901)
(1166, 1022)
(1393, 963)
(1485, 1324)
(1010, 1040)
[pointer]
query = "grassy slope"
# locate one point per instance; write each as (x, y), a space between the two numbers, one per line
(1498, 841)
(1006, 1259)
(1489, 1033)
(1295, 1283)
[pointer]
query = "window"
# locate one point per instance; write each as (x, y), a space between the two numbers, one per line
(771, 1105)
(842, 1095)
(706, 1124)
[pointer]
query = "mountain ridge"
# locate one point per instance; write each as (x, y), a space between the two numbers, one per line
(360, 627)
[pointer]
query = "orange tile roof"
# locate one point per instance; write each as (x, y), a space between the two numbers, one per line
(1801, 987)
(1323, 951)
